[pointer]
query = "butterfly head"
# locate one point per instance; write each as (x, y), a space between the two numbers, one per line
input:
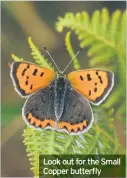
(61, 74)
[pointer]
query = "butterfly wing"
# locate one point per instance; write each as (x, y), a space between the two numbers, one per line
(77, 116)
(28, 78)
(38, 111)
(94, 84)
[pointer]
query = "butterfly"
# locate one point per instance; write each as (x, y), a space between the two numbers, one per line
(59, 101)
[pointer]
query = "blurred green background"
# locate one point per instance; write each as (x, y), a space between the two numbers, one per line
(36, 19)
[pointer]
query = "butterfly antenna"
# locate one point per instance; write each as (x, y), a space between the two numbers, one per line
(72, 59)
(51, 58)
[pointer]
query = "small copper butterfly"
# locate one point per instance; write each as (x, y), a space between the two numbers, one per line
(57, 101)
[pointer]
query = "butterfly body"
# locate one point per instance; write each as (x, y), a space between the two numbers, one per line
(61, 86)
(57, 101)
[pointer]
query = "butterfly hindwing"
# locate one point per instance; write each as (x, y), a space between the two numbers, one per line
(28, 78)
(77, 116)
(94, 84)
(38, 111)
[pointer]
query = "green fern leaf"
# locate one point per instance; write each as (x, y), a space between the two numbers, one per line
(37, 56)
(16, 58)
(115, 19)
(95, 22)
(122, 34)
(104, 22)
(71, 52)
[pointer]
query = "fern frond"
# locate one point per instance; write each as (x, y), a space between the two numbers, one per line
(71, 52)
(95, 22)
(105, 18)
(16, 58)
(104, 35)
(99, 59)
(84, 27)
(121, 113)
(95, 49)
(115, 20)
(101, 29)
(37, 56)
(122, 34)
(113, 98)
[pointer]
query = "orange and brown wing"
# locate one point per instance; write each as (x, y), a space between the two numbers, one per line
(28, 78)
(38, 110)
(40, 123)
(94, 84)
(77, 116)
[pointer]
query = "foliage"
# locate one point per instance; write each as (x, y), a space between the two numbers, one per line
(71, 52)
(37, 56)
(104, 37)
(16, 58)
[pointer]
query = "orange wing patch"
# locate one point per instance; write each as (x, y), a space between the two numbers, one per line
(40, 123)
(95, 85)
(28, 77)
(72, 128)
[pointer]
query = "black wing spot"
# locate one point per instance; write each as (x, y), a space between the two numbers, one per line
(88, 77)
(27, 77)
(23, 72)
(95, 89)
(78, 130)
(41, 74)
(28, 66)
(100, 79)
(83, 119)
(96, 72)
(81, 77)
(65, 127)
(95, 83)
(89, 92)
(29, 119)
(48, 124)
(31, 87)
(84, 127)
(26, 83)
(72, 130)
(34, 124)
(35, 71)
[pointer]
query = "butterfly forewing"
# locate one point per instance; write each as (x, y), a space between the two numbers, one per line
(28, 77)
(94, 84)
